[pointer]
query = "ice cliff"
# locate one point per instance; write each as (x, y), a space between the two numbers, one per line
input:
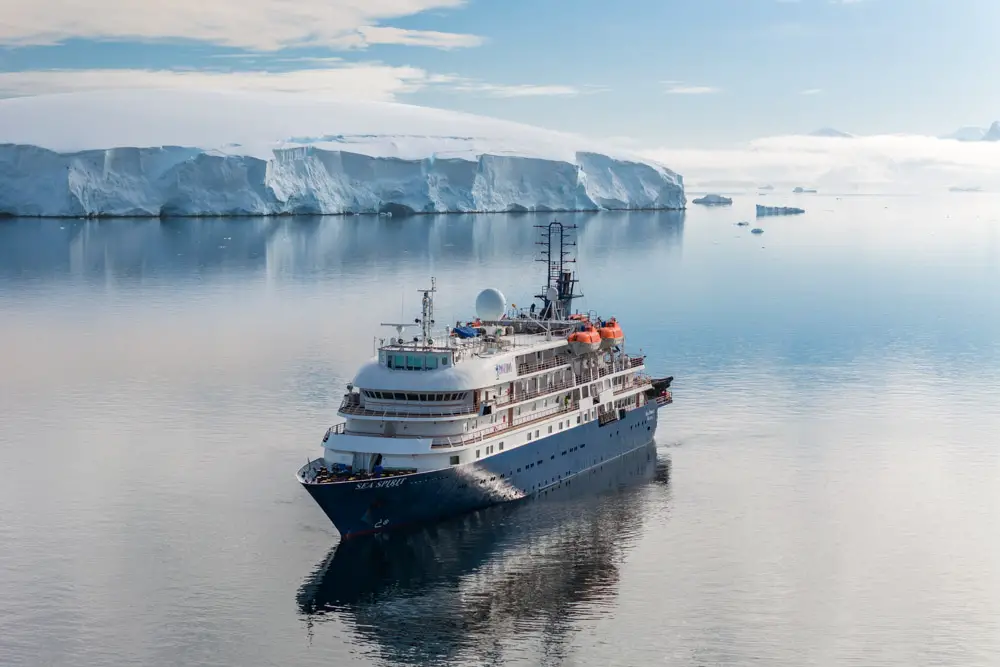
(149, 153)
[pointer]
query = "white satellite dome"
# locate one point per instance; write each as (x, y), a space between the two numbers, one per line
(490, 304)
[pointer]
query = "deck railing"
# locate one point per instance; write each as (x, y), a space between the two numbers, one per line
(336, 429)
(483, 434)
(621, 365)
(510, 399)
(544, 364)
(638, 381)
(351, 405)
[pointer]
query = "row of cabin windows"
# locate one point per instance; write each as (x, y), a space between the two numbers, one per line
(414, 362)
(422, 398)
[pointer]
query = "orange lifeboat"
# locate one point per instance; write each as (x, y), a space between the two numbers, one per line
(611, 334)
(584, 341)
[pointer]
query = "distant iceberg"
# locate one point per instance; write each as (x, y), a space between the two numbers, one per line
(193, 153)
(993, 134)
(971, 133)
(801, 190)
(968, 133)
(713, 200)
(778, 210)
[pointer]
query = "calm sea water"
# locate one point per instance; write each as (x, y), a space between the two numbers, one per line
(825, 489)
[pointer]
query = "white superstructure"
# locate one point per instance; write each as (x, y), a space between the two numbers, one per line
(485, 411)
(441, 400)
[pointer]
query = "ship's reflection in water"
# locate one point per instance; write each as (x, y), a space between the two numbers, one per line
(482, 585)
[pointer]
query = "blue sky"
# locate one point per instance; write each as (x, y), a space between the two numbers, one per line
(684, 73)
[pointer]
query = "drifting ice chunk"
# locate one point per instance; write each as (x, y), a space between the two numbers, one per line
(713, 200)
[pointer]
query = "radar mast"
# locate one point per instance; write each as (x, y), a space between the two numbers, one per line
(560, 284)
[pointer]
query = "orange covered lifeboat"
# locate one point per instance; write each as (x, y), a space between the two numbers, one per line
(611, 334)
(584, 341)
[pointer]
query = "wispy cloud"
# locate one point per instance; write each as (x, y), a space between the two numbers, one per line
(374, 81)
(265, 25)
(681, 88)
(432, 38)
(811, 91)
(520, 90)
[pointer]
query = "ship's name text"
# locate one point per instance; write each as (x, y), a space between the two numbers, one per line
(381, 484)
(505, 368)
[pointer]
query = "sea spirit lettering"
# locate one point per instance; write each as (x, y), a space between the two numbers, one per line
(381, 484)
(505, 368)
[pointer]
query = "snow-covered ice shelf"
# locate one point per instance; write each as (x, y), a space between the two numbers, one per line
(150, 153)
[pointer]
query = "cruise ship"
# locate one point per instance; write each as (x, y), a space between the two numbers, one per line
(492, 410)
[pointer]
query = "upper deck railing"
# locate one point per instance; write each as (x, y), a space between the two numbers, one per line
(544, 364)
(498, 429)
(351, 405)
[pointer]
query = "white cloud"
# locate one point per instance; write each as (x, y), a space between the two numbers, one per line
(889, 163)
(520, 90)
(441, 40)
(679, 88)
(265, 25)
(811, 91)
(364, 81)
(373, 81)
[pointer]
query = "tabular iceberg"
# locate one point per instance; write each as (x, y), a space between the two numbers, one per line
(778, 210)
(173, 153)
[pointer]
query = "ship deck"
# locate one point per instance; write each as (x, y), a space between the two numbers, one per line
(324, 476)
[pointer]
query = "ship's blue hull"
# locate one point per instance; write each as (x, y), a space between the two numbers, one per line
(368, 506)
